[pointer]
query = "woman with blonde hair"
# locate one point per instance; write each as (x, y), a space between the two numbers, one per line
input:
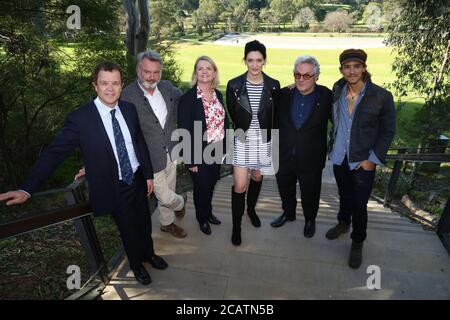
(203, 104)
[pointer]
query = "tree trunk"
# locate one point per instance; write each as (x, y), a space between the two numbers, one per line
(144, 26)
(137, 25)
(440, 75)
(130, 27)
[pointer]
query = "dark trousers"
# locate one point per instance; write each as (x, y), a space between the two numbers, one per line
(310, 184)
(133, 220)
(204, 182)
(355, 187)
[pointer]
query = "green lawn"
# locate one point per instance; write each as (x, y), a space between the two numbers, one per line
(280, 66)
(280, 62)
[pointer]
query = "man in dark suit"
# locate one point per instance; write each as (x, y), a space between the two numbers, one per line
(117, 162)
(303, 118)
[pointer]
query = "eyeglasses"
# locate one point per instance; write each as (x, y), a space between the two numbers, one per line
(305, 76)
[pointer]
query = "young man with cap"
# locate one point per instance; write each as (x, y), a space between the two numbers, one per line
(363, 129)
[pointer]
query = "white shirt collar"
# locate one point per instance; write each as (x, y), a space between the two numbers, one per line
(103, 109)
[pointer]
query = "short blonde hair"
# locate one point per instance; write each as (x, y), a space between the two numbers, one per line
(215, 82)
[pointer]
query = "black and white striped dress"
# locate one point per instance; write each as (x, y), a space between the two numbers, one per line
(254, 153)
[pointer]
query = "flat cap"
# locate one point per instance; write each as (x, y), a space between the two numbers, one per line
(353, 55)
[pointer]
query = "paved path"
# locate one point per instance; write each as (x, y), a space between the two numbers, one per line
(282, 264)
(292, 42)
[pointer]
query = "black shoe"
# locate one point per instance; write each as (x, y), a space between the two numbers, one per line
(310, 229)
(205, 228)
(281, 220)
(355, 259)
(213, 219)
(157, 262)
(337, 230)
(142, 275)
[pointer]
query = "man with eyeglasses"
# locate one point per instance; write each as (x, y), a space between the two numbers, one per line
(303, 118)
(363, 129)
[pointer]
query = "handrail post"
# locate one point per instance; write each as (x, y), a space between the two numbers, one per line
(444, 222)
(443, 227)
(85, 229)
(393, 179)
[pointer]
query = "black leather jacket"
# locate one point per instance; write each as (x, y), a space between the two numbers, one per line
(239, 108)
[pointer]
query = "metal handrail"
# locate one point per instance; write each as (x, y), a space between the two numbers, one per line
(79, 211)
(31, 223)
(443, 226)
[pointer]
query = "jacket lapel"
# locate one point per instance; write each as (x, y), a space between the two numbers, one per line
(167, 99)
(100, 133)
(242, 97)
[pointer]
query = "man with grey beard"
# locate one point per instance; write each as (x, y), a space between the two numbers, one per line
(156, 102)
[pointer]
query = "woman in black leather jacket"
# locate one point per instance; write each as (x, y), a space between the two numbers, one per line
(252, 102)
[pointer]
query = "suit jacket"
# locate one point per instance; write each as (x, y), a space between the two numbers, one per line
(310, 141)
(84, 128)
(190, 109)
(157, 138)
(373, 126)
(239, 107)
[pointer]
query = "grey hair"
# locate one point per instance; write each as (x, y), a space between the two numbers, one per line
(310, 60)
(150, 55)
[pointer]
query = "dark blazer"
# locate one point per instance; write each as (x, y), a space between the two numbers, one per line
(310, 141)
(190, 109)
(84, 128)
(239, 107)
(373, 125)
(157, 138)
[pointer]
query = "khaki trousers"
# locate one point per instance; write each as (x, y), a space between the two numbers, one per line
(164, 187)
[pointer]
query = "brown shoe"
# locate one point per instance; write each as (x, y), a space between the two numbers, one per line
(180, 213)
(174, 230)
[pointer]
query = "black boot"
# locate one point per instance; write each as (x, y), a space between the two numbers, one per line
(237, 207)
(254, 188)
(355, 258)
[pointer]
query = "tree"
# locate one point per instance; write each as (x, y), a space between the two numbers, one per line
(338, 21)
(391, 9)
(304, 17)
(372, 16)
(420, 36)
(137, 25)
(40, 82)
(267, 15)
(257, 4)
(251, 19)
(207, 13)
(167, 18)
(281, 10)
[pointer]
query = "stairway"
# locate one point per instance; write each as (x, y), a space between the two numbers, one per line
(279, 263)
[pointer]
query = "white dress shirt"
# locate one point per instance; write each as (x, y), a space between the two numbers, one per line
(157, 104)
(105, 114)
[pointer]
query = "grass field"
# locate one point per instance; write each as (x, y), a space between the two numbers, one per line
(280, 66)
(280, 62)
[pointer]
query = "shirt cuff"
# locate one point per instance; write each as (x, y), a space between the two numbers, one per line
(29, 195)
(373, 158)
